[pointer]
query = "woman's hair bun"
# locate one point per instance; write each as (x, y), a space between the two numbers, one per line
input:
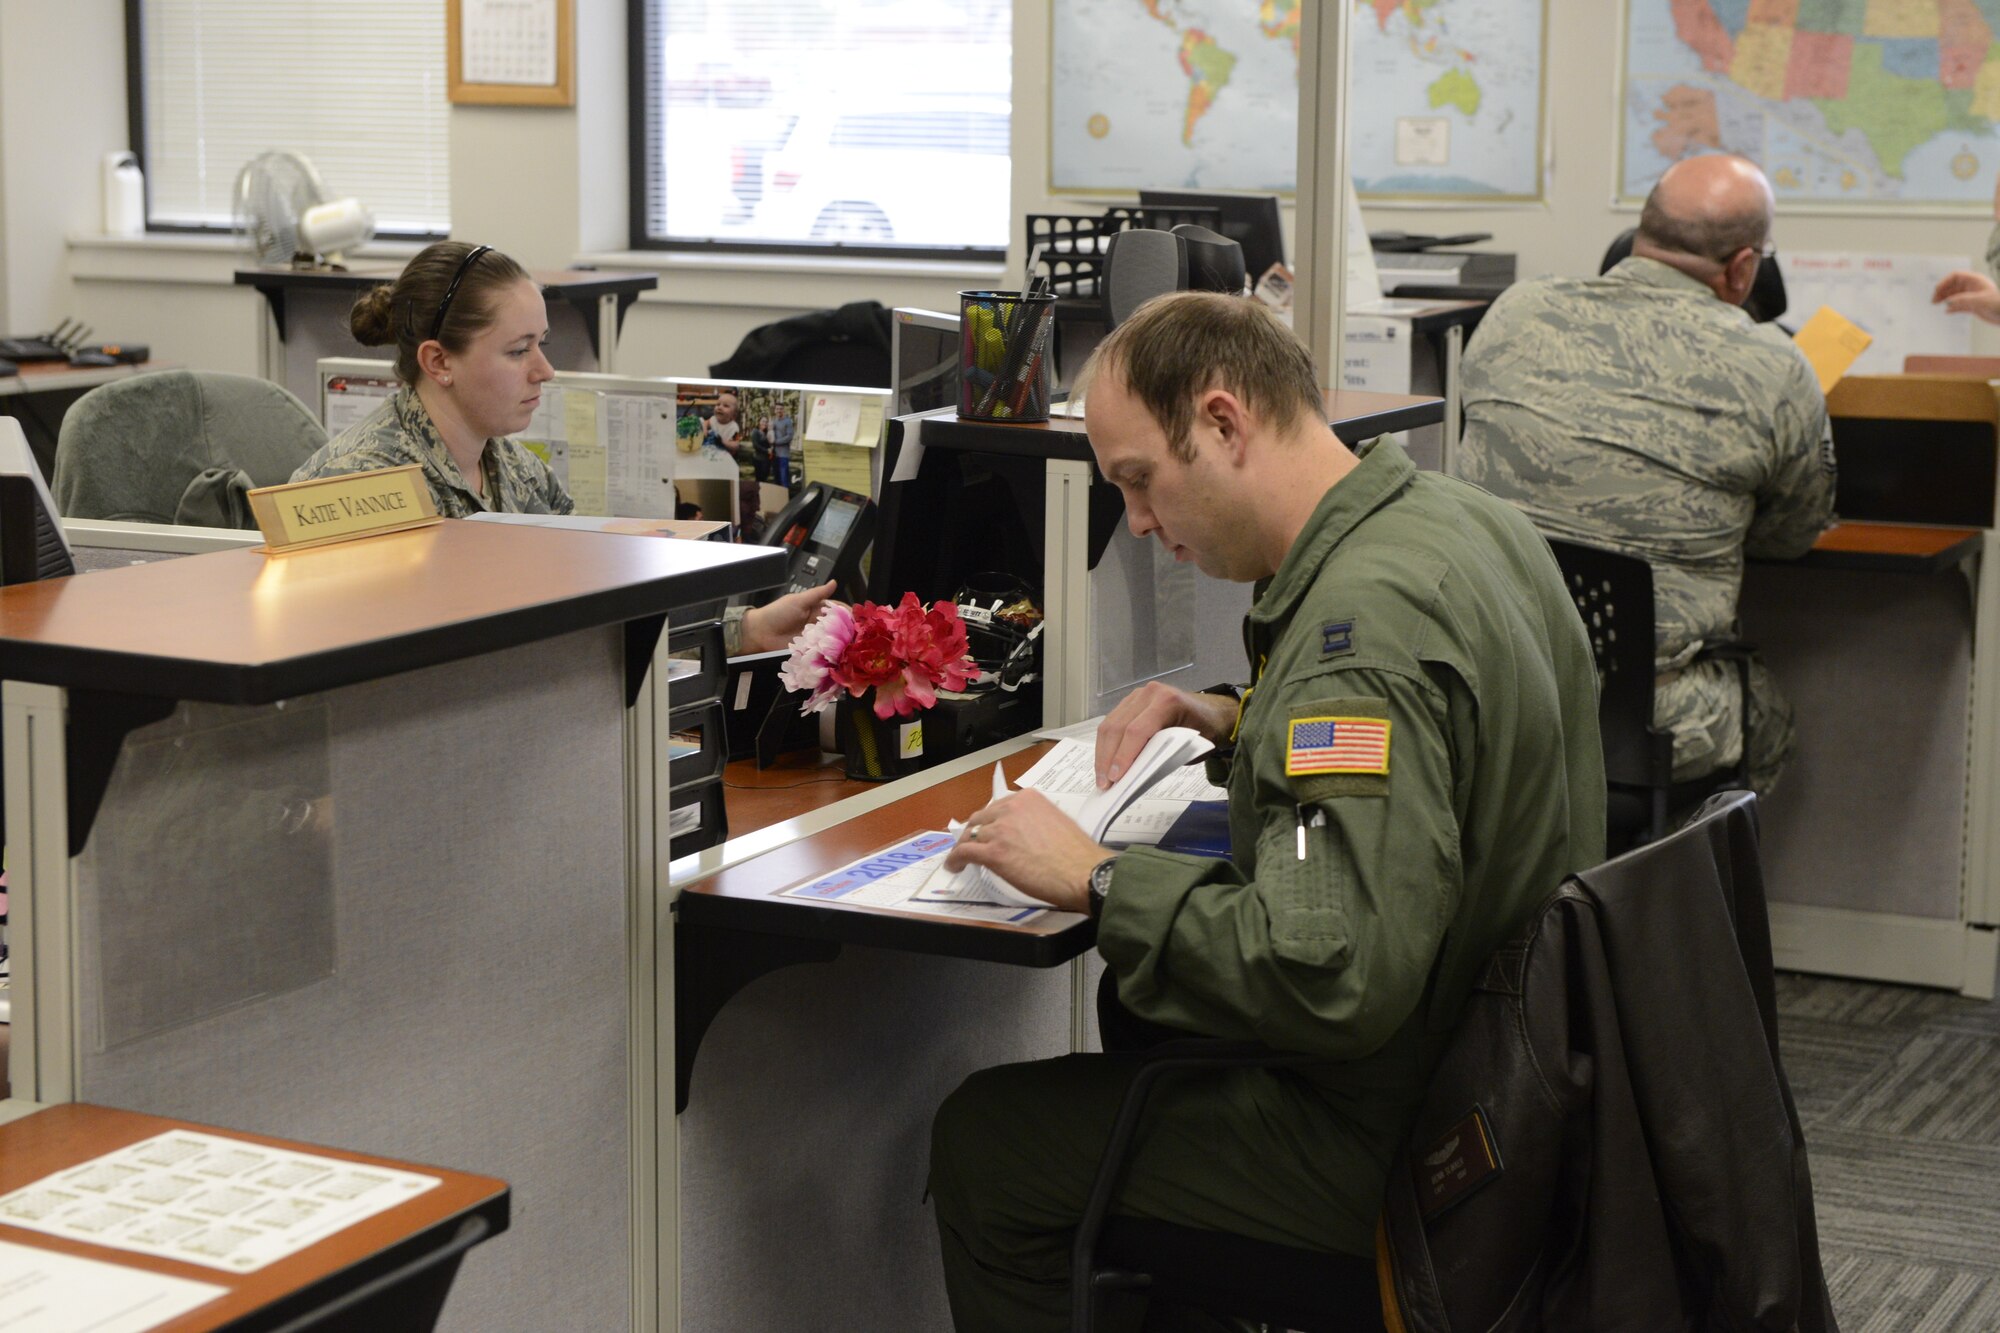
(372, 321)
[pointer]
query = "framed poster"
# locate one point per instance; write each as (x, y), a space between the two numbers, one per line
(512, 52)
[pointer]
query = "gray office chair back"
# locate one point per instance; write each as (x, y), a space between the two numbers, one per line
(180, 446)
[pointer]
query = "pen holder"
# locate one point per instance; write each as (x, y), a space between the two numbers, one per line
(1004, 355)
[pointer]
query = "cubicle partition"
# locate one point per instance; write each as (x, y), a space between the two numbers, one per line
(1880, 845)
(619, 443)
(366, 844)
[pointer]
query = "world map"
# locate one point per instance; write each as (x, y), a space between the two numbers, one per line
(1203, 94)
(1865, 102)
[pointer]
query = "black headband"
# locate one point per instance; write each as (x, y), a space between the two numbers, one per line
(471, 258)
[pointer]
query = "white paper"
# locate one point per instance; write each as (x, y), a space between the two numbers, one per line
(834, 418)
(508, 41)
(1364, 281)
(973, 884)
(1085, 730)
(1889, 296)
(350, 401)
(892, 877)
(207, 1199)
(911, 457)
(42, 1291)
(1067, 775)
(639, 454)
(1375, 354)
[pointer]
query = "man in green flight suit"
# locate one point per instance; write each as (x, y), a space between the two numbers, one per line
(1414, 769)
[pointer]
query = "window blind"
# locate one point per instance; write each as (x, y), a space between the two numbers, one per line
(808, 124)
(356, 86)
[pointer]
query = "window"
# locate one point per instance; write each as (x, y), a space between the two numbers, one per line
(808, 125)
(355, 86)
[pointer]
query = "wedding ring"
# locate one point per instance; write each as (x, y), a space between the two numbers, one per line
(972, 833)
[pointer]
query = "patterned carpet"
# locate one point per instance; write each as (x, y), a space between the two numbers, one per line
(1899, 1090)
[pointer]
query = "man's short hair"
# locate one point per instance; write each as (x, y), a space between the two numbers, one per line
(1716, 238)
(1182, 344)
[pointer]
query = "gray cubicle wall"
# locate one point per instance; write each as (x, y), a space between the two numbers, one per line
(457, 970)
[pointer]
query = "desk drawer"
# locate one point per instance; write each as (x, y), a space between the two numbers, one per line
(699, 744)
(697, 817)
(697, 666)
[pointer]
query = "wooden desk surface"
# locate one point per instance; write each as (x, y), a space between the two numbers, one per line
(746, 896)
(1892, 547)
(560, 281)
(242, 627)
(1353, 413)
(60, 1137)
(797, 784)
(60, 376)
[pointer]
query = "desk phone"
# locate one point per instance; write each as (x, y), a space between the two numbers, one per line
(828, 531)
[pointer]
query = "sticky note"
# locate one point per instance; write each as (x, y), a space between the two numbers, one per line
(1831, 343)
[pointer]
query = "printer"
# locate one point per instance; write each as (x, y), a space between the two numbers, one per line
(1434, 266)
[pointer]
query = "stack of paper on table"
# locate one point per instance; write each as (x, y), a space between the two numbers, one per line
(1138, 808)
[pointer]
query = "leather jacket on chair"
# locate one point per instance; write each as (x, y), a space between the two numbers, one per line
(1634, 1161)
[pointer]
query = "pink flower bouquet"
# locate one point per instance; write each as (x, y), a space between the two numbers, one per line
(905, 654)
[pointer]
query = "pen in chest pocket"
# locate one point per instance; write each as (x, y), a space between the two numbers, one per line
(1315, 817)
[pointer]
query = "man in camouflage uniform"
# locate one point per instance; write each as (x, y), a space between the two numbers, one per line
(1643, 412)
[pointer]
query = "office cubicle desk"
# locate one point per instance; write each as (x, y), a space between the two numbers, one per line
(1879, 844)
(304, 317)
(43, 392)
(815, 1043)
(390, 1271)
(366, 845)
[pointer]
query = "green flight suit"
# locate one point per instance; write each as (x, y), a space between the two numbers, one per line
(1409, 599)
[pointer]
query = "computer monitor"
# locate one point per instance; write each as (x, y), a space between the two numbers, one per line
(923, 354)
(1250, 220)
(32, 545)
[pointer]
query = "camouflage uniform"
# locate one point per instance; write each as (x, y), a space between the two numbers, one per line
(400, 432)
(1636, 412)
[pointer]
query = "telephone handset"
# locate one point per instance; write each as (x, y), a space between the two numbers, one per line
(827, 531)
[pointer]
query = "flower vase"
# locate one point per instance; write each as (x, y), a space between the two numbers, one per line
(878, 749)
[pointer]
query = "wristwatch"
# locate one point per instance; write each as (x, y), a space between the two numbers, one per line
(1100, 884)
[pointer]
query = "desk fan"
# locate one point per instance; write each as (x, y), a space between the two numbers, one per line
(283, 215)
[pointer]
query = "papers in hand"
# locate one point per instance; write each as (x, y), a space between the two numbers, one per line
(1067, 775)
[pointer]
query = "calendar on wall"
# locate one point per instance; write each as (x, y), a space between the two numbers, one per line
(512, 52)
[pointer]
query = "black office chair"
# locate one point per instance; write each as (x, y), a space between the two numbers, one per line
(1614, 595)
(1229, 1276)
(1766, 301)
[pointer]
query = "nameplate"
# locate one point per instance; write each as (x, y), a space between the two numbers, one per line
(331, 509)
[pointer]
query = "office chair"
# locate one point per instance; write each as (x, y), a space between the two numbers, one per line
(1231, 1276)
(1767, 298)
(180, 446)
(846, 346)
(1614, 595)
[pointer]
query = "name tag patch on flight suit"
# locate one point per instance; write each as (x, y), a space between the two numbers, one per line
(1457, 1163)
(1338, 747)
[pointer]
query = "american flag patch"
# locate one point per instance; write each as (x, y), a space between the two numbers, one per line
(1337, 745)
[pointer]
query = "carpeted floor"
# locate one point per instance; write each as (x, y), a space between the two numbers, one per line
(1899, 1090)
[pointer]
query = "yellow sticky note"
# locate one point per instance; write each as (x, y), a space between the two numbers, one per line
(1831, 344)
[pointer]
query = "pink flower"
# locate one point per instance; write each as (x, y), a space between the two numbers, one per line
(815, 653)
(904, 654)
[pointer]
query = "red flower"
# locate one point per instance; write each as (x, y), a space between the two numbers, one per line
(904, 654)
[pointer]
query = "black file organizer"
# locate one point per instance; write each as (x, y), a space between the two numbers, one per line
(694, 702)
(1071, 245)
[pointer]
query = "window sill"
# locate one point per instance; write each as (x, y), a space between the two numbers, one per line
(189, 257)
(781, 282)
